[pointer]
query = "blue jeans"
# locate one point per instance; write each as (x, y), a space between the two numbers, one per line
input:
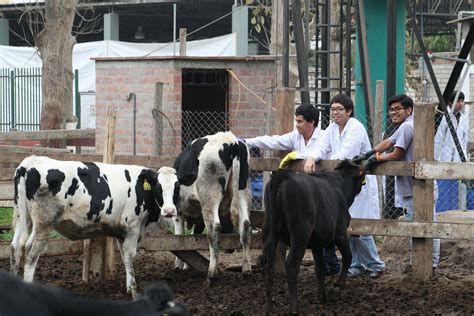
(408, 205)
(330, 260)
(364, 255)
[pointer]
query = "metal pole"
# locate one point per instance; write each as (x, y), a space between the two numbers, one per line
(286, 44)
(348, 48)
(301, 52)
(174, 29)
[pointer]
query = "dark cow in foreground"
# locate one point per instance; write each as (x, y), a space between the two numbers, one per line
(213, 172)
(86, 200)
(18, 298)
(308, 212)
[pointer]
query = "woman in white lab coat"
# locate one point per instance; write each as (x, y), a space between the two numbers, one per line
(345, 138)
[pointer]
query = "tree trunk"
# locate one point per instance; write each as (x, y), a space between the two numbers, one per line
(55, 44)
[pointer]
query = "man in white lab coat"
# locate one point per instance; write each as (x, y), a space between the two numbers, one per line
(445, 150)
(345, 138)
(301, 142)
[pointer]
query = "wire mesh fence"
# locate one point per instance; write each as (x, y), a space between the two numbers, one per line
(452, 194)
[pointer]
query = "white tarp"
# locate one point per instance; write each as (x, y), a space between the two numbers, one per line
(27, 57)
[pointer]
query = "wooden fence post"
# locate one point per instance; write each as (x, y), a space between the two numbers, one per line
(423, 199)
(182, 42)
(285, 112)
(99, 253)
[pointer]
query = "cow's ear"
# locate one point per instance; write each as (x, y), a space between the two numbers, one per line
(149, 176)
(187, 179)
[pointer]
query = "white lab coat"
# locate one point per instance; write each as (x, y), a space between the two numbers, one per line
(353, 141)
(291, 141)
(445, 150)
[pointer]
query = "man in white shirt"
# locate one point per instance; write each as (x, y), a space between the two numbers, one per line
(346, 138)
(301, 142)
(445, 150)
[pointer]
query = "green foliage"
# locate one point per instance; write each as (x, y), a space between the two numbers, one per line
(439, 43)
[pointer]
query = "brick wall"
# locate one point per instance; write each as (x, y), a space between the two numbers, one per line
(117, 77)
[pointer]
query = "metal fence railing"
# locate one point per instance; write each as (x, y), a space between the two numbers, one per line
(197, 124)
(21, 99)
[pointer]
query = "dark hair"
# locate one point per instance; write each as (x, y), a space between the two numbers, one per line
(309, 113)
(453, 95)
(405, 100)
(345, 101)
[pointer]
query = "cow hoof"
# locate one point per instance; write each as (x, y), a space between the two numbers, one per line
(246, 270)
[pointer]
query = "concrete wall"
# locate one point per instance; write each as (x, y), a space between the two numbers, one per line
(117, 77)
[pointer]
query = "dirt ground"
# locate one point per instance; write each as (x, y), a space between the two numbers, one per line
(450, 292)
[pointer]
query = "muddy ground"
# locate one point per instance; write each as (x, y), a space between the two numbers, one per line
(450, 292)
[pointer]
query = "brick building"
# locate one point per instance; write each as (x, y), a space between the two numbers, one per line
(196, 95)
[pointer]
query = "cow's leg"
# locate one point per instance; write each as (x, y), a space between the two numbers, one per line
(239, 209)
(213, 225)
(178, 222)
(268, 272)
(319, 266)
(293, 262)
(22, 229)
(342, 243)
(129, 251)
(36, 244)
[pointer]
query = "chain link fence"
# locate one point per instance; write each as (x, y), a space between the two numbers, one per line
(452, 194)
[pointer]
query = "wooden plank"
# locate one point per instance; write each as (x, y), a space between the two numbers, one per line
(81, 142)
(444, 170)
(423, 197)
(109, 244)
(7, 174)
(195, 242)
(57, 247)
(96, 266)
(417, 229)
(194, 259)
(7, 203)
(6, 149)
(148, 161)
(7, 191)
(48, 134)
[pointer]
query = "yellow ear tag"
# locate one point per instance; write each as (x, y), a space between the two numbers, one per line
(146, 186)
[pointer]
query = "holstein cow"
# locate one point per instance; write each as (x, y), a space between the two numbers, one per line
(308, 212)
(86, 200)
(213, 172)
(19, 298)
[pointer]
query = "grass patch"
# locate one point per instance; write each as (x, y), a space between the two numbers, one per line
(6, 216)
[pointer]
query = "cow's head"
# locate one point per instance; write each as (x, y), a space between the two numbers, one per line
(167, 191)
(353, 177)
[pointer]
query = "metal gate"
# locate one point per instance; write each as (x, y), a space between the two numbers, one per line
(20, 98)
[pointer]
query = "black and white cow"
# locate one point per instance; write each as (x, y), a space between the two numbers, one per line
(213, 172)
(86, 200)
(19, 298)
(308, 212)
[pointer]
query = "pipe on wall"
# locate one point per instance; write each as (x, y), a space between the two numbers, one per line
(134, 132)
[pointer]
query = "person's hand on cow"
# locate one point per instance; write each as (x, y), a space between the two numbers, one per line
(310, 164)
(365, 156)
(286, 160)
(372, 161)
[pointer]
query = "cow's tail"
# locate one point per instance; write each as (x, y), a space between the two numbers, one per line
(272, 214)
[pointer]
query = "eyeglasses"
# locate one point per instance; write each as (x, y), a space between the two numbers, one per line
(337, 109)
(396, 110)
